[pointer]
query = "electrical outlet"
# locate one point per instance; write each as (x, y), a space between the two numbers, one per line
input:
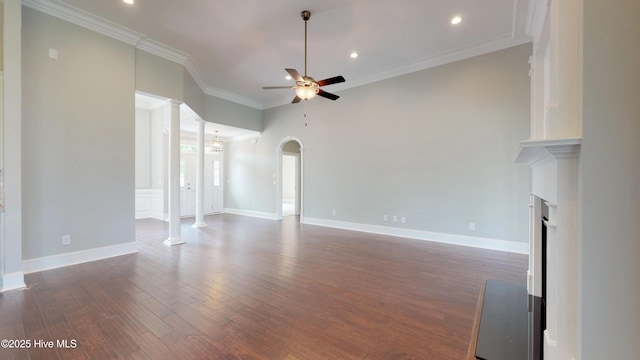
(66, 240)
(385, 217)
(333, 213)
(403, 220)
(395, 218)
(472, 226)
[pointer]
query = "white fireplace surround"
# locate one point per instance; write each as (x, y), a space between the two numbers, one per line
(554, 165)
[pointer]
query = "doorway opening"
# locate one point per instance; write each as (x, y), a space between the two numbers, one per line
(290, 178)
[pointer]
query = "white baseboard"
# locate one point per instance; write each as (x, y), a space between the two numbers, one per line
(257, 214)
(77, 257)
(464, 240)
(12, 281)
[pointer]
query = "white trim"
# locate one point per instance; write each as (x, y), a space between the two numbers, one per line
(454, 239)
(77, 257)
(12, 281)
(177, 240)
(536, 152)
(100, 25)
(149, 204)
(156, 48)
(227, 95)
(251, 213)
(84, 19)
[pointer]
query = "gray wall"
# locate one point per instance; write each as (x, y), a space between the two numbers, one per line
(158, 76)
(229, 113)
(434, 146)
(79, 131)
(610, 163)
(78, 138)
(1, 35)
(193, 95)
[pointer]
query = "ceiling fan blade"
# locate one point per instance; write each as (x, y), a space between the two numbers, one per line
(296, 100)
(277, 87)
(333, 80)
(327, 95)
(294, 74)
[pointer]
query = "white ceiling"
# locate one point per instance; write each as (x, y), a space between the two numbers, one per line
(232, 48)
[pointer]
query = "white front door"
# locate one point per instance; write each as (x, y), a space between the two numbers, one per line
(187, 184)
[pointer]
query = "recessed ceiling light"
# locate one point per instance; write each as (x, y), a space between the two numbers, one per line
(130, 2)
(354, 55)
(456, 20)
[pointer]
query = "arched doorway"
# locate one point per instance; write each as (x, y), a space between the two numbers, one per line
(290, 178)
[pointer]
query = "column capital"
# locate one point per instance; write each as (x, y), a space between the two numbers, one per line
(174, 102)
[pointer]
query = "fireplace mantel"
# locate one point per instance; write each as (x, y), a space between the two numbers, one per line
(535, 152)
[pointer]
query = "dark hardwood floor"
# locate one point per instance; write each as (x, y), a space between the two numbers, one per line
(247, 288)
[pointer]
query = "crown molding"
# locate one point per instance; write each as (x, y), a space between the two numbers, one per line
(76, 16)
(156, 48)
(105, 27)
(536, 16)
(193, 70)
(227, 95)
(443, 58)
(84, 19)
(437, 60)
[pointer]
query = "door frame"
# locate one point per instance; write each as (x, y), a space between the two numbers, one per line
(279, 176)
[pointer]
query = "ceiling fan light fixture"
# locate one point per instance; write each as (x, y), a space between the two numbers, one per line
(306, 92)
(306, 86)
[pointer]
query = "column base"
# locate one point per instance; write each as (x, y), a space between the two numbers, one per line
(12, 281)
(174, 241)
(199, 225)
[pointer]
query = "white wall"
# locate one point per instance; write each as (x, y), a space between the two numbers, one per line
(151, 162)
(435, 147)
(610, 172)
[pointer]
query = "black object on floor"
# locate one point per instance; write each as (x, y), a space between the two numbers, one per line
(504, 324)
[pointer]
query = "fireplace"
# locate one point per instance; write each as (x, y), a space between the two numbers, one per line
(538, 304)
(554, 254)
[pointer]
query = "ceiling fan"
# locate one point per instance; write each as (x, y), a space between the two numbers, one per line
(307, 87)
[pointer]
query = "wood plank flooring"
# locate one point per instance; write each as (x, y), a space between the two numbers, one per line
(247, 288)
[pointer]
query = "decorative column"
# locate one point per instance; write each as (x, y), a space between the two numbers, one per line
(199, 222)
(174, 176)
